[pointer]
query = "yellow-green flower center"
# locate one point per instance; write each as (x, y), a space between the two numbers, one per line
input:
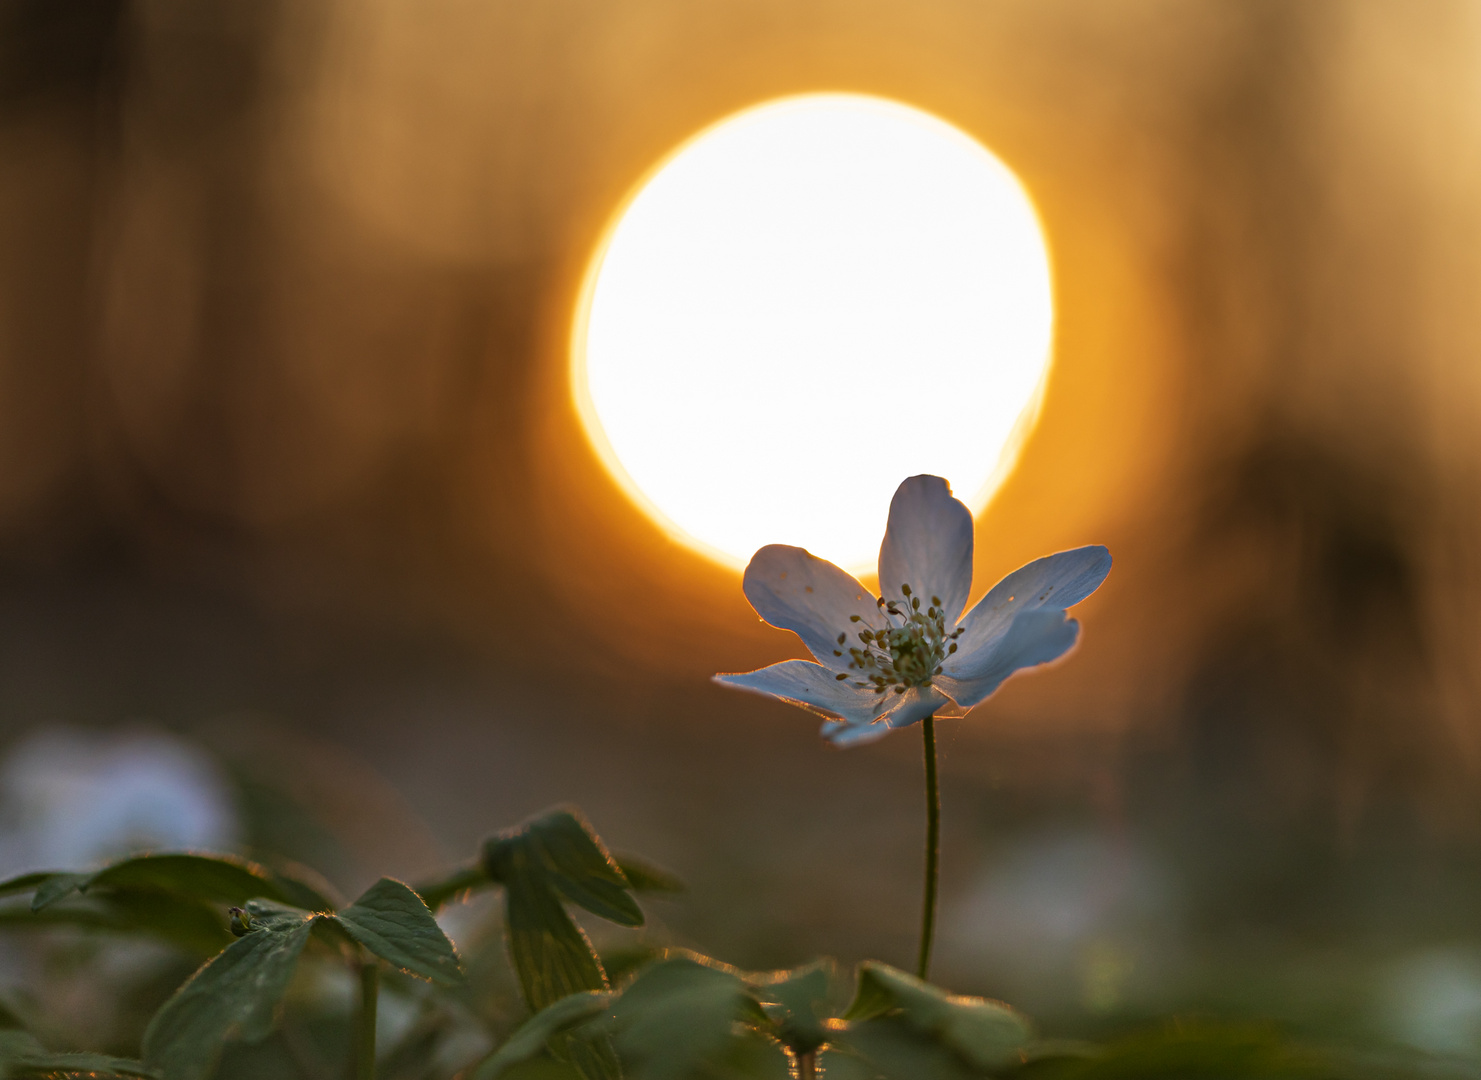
(907, 651)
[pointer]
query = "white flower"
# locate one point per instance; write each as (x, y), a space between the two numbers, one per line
(891, 661)
(71, 800)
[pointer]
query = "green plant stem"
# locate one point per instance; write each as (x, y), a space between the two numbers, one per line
(365, 1029)
(807, 1065)
(933, 849)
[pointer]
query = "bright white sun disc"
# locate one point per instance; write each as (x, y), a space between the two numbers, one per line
(805, 304)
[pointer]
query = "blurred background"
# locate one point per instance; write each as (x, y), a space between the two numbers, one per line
(303, 552)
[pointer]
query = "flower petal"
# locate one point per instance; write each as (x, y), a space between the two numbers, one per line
(812, 687)
(916, 704)
(951, 709)
(1054, 582)
(794, 589)
(842, 733)
(1035, 637)
(928, 545)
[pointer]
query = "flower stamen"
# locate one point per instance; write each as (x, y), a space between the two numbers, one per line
(908, 651)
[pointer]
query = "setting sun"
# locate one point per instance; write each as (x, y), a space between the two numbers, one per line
(803, 305)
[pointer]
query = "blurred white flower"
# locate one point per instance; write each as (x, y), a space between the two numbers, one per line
(71, 799)
(1432, 1001)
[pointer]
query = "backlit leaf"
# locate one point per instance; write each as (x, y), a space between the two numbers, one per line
(26, 882)
(54, 888)
(889, 1047)
(542, 1067)
(550, 859)
(593, 1055)
(217, 878)
(44, 1066)
(233, 996)
(683, 1018)
(391, 921)
(648, 877)
(551, 956)
(983, 1034)
(797, 1003)
(579, 865)
(533, 1036)
(193, 926)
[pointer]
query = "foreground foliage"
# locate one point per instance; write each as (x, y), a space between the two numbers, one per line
(666, 1015)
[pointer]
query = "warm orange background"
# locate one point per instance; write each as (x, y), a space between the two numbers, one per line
(285, 434)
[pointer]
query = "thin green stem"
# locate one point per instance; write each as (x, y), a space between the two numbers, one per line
(365, 1029)
(933, 849)
(807, 1066)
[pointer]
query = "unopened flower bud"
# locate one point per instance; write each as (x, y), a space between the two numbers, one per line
(241, 922)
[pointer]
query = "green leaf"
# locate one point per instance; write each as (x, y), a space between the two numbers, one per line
(888, 1047)
(54, 888)
(624, 961)
(174, 897)
(215, 878)
(190, 925)
(874, 995)
(233, 995)
(271, 915)
(551, 956)
(553, 858)
(576, 863)
(391, 921)
(796, 1001)
(593, 1055)
(194, 926)
(649, 877)
(533, 1036)
(45, 1066)
(985, 1034)
(543, 1067)
(683, 1018)
(26, 882)
(438, 891)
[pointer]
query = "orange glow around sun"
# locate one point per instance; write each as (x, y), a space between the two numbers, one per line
(801, 306)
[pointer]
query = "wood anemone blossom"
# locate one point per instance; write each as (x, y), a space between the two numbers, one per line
(890, 661)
